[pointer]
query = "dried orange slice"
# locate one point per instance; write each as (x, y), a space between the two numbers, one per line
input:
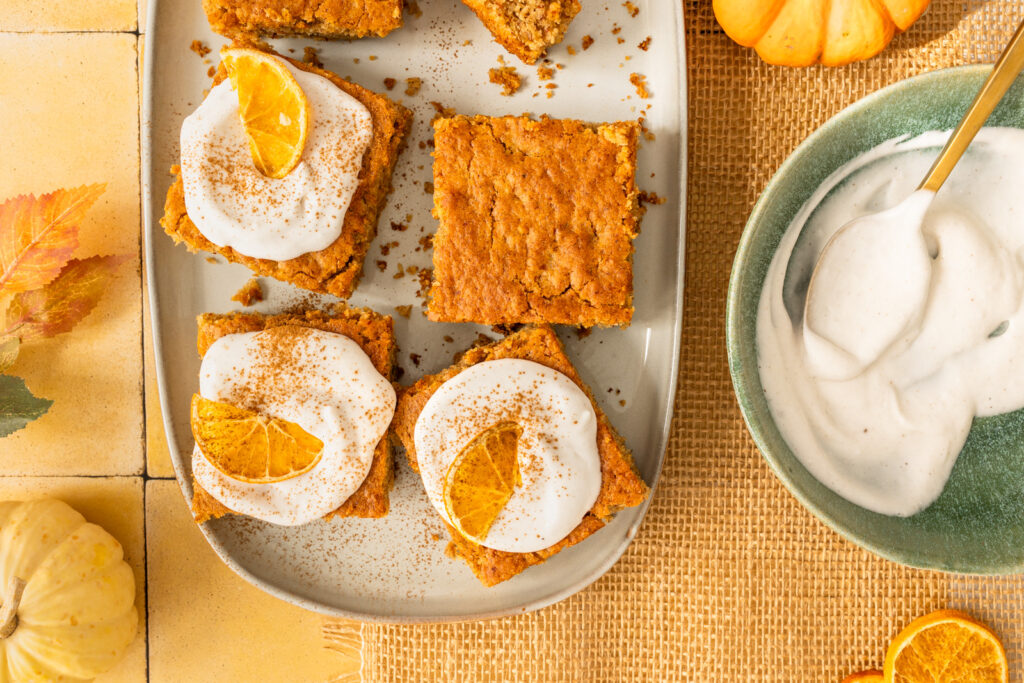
(273, 109)
(946, 646)
(868, 676)
(250, 447)
(481, 479)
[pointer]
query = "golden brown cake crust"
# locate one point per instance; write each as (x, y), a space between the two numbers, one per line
(315, 18)
(375, 335)
(621, 485)
(336, 269)
(537, 220)
(526, 28)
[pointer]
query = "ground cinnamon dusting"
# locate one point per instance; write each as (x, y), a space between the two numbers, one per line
(250, 293)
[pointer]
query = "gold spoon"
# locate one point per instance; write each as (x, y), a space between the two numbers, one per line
(859, 320)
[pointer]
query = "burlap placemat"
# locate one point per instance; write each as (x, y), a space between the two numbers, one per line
(730, 579)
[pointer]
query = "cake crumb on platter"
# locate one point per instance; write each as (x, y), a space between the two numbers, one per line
(507, 77)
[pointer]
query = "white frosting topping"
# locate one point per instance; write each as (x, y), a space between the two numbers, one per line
(877, 392)
(234, 205)
(319, 380)
(558, 457)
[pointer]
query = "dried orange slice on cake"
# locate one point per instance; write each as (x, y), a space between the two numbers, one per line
(250, 447)
(481, 479)
(946, 646)
(272, 106)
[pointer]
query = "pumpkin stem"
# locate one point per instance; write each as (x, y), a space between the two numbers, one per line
(9, 609)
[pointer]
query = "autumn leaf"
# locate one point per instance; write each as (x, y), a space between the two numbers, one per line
(18, 406)
(59, 306)
(39, 234)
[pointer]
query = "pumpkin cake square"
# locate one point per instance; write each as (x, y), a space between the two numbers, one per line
(335, 268)
(526, 28)
(536, 221)
(620, 485)
(303, 18)
(374, 335)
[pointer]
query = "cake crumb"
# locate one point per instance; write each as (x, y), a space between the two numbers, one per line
(644, 44)
(616, 29)
(622, 403)
(443, 112)
(631, 8)
(507, 77)
(309, 56)
(213, 260)
(382, 266)
(250, 293)
(413, 8)
(620, 41)
(645, 197)
(389, 83)
(413, 85)
(570, 49)
(587, 42)
(199, 48)
(583, 332)
(399, 227)
(415, 358)
(426, 243)
(545, 73)
(372, 58)
(401, 272)
(404, 311)
(640, 82)
(211, 72)
(424, 277)
(448, 338)
(355, 60)
(428, 187)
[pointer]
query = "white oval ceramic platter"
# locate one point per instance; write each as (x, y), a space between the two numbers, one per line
(394, 569)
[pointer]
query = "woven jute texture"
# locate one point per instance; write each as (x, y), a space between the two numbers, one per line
(730, 579)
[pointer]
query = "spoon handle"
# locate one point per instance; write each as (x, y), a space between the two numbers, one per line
(1010, 63)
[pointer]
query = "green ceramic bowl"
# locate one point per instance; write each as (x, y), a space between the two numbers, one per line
(977, 524)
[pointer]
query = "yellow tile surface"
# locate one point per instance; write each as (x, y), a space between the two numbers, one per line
(75, 121)
(207, 624)
(62, 15)
(115, 503)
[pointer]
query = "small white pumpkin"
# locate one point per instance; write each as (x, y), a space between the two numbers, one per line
(68, 611)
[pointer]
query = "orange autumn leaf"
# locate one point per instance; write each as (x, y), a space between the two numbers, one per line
(57, 307)
(39, 234)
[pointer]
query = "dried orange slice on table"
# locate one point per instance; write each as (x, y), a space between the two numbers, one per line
(250, 447)
(868, 676)
(946, 646)
(273, 109)
(481, 480)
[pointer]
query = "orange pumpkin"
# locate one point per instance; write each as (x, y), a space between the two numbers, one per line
(805, 32)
